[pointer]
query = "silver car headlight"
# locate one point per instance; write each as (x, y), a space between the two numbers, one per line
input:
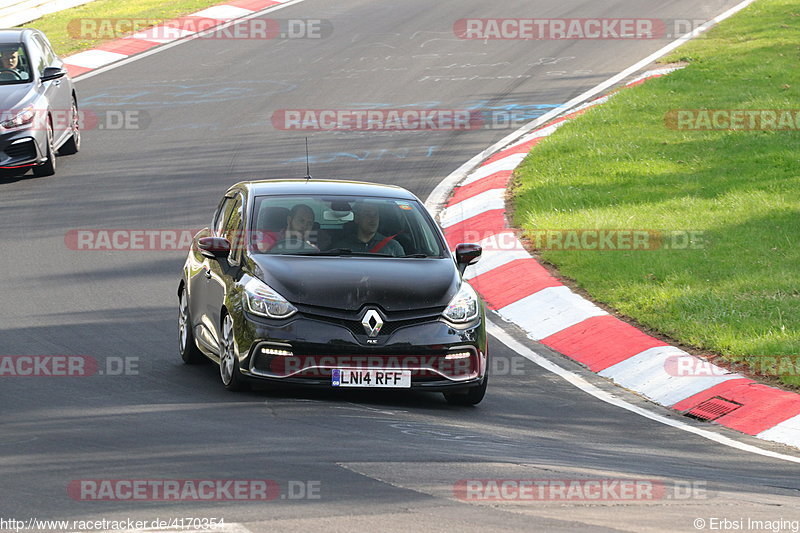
(23, 118)
(263, 300)
(464, 306)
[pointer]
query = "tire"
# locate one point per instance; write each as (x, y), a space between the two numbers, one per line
(232, 378)
(73, 144)
(187, 346)
(472, 397)
(48, 168)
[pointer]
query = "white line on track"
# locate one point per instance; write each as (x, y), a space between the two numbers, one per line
(579, 382)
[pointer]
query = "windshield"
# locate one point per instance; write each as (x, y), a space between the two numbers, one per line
(342, 225)
(14, 64)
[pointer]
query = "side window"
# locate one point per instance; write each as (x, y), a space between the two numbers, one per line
(38, 60)
(50, 56)
(47, 52)
(233, 228)
(24, 64)
(221, 217)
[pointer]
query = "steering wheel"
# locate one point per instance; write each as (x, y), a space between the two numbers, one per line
(16, 74)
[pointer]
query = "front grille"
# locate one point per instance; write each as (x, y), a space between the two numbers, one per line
(392, 321)
(22, 150)
(330, 312)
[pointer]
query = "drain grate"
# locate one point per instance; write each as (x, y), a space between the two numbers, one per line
(713, 408)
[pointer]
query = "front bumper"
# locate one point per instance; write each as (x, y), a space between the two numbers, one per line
(304, 350)
(22, 148)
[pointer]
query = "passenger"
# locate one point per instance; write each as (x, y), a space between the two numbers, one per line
(299, 230)
(366, 238)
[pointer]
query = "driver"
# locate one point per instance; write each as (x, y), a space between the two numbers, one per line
(366, 238)
(9, 59)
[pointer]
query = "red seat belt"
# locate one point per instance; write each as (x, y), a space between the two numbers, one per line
(378, 247)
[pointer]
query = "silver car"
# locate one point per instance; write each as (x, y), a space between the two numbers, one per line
(38, 105)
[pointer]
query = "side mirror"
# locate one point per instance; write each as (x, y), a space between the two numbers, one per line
(214, 247)
(467, 254)
(53, 73)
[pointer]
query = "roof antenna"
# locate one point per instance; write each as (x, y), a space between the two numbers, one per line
(308, 168)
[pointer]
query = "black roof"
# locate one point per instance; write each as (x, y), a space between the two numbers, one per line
(325, 187)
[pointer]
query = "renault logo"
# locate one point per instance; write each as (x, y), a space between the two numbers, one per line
(372, 323)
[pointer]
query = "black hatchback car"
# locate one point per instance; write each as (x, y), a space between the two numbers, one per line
(332, 284)
(38, 105)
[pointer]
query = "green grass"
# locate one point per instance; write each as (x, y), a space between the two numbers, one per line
(619, 166)
(56, 25)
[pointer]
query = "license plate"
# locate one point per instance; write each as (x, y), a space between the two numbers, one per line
(373, 377)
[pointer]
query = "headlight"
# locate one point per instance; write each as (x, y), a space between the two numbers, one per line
(23, 118)
(262, 300)
(464, 306)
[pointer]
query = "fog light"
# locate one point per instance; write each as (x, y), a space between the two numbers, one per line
(276, 352)
(458, 355)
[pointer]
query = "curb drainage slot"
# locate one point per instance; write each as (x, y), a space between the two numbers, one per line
(712, 409)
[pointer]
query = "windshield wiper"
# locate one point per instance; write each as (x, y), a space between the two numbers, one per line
(365, 254)
(338, 251)
(415, 255)
(341, 252)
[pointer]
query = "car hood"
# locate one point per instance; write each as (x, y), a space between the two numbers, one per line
(348, 283)
(15, 97)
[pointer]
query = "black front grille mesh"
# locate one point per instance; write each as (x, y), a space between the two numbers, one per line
(25, 150)
(352, 319)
